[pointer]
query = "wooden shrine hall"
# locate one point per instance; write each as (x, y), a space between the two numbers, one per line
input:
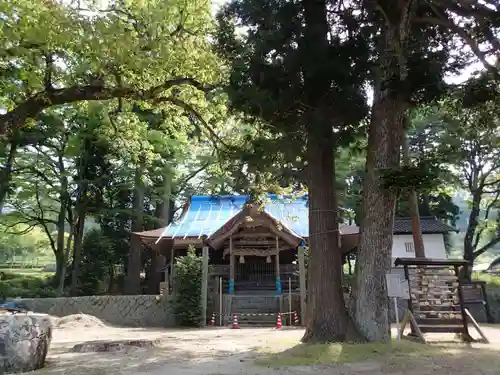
(254, 248)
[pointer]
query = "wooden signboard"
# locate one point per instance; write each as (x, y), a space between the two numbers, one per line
(436, 302)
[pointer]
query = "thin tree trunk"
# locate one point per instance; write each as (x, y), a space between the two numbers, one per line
(416, 229)
(77, 248)
(166, 206)
(426, 205)
(111, 280)
(61, 219)
(62, 279)
(6, 175)
(471, 228)
(133, 279)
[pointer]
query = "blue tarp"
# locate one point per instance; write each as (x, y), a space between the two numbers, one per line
(13, 306)
(206, 214)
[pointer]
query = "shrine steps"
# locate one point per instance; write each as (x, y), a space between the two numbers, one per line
(255, 309)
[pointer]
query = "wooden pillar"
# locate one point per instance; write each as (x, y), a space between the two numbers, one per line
(302, 280)
(231, 266)
(172, 254)
(167, 282)
(278, 280)
(204, 285)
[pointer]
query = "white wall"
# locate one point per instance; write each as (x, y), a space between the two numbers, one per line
(433, 244)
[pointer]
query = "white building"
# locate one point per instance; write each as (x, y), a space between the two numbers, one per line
(433, 231)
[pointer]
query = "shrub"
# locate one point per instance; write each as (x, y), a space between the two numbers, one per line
(26, 287)
(187, 280)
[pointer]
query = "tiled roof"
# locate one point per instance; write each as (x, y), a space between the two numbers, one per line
(429, 225)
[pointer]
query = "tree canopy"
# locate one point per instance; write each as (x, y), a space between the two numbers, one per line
(112, 115)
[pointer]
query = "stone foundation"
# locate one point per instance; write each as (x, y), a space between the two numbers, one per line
(128, 311)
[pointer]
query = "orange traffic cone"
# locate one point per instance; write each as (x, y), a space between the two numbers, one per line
(278, 322)
(296, 318)
(212, 321)
(235, 321)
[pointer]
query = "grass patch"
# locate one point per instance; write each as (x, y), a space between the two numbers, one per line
(492, 281)
(31, 283)
(19, 272)
(338, 353)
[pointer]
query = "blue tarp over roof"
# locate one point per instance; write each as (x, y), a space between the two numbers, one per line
(206, 214)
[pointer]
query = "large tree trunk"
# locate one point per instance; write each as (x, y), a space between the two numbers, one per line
(385, 132)
(133, 279)
(327, 319)
(6, 174)
(373, 261)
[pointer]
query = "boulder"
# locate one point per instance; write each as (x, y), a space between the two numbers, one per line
(24, 341)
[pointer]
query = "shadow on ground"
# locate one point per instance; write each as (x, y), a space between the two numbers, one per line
(403, 357)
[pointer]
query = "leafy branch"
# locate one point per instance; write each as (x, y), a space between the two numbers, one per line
(34, 105)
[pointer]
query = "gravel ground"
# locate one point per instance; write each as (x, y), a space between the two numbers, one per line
(215, 351)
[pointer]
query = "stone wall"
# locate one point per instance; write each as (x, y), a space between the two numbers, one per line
(129, 311)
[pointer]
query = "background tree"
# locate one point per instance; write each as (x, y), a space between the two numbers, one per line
(134, 50)
(462, 132)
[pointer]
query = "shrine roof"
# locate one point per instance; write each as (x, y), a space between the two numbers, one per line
(206, 214)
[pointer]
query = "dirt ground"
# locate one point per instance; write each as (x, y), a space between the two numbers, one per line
(221, 351)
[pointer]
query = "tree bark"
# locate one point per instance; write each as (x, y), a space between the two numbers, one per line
(373, 261)
(133, 279)
(81, 214)
(369, 304)
(79, 221)
(61, 219)
(62, 279)
(327, 317)
(416, 229)
(6, 174)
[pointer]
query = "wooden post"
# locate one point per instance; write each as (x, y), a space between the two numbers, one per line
(290, 318)
(204, 285)
(171, 264)
(231, 266)
(416, 229)
(278, 280)
(302, 280)
(167, 284)
(221, 310)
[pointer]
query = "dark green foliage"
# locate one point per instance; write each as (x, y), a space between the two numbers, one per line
(278, 86)
(99, 256)
(187, 281)
(422, 177)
